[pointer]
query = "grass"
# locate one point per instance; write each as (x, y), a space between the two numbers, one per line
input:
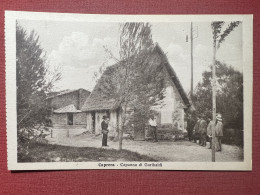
(39, 152)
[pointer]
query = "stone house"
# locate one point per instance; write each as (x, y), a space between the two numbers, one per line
(170, 116)
(66, 107)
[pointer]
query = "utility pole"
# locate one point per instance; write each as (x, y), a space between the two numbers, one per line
(194, 33)
(214, 97)
(216, 27)
(191, 56)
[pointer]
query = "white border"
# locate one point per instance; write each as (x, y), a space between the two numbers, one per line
(10, 46)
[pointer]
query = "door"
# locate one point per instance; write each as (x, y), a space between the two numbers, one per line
(70, 118)
(93, 121)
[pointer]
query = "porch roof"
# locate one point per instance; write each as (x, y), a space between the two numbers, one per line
(67, 109)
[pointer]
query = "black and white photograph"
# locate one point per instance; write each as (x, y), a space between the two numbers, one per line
(128, 92)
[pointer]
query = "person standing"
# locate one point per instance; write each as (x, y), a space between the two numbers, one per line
(104, 127)
(209, 131)
(196, 131)
(203, 132)
(190, 126)
(218, 132)
(153, 127)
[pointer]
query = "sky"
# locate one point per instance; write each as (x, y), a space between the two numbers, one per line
(77, 48)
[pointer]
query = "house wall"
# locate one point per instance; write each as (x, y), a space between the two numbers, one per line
(113, 124)
(178, 114)
(60, 119)
(98, 119)
(77, 98)
(65, 100)
(169, 106)
(171, 114)
(89, 122)
(79, 118)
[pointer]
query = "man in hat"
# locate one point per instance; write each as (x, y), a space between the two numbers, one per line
(195, 135)
(203, 131)
(153, 127)
(218, 132)
(104, 127)
(190, 125)
(209, 131)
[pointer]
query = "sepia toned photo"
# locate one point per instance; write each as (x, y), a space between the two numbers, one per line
(128, 92)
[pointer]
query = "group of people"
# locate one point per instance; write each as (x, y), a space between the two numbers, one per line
(203, 131)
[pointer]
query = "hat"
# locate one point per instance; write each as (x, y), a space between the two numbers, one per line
(219, 117)
(104, 117)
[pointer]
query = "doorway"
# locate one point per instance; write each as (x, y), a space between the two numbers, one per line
(93, 117)
(70, 118)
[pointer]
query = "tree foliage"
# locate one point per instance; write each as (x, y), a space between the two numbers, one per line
(229, 95)
(32, 82)
(227, 31)
(220, 36)
(134, 82)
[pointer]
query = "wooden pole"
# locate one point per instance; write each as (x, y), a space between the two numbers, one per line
(191, 48)
(214, 97)
(121, 128)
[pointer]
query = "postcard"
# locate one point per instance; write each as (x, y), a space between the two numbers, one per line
(144, 92)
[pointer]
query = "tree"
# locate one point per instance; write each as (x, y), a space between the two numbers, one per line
(229, 95)
(33, 82)
(148, 89)
(229, 99)
(218, 38)
(129, 78)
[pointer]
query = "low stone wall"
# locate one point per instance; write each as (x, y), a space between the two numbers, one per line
(166, 134)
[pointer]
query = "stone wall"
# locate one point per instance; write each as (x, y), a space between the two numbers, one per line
(60, 119)
(89, 122)
(113, 125)
(65, 100)
(80, 118)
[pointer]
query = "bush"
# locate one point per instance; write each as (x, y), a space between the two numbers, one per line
(28, 136)
(233, 136)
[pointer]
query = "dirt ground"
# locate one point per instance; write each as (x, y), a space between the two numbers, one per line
(182, 150)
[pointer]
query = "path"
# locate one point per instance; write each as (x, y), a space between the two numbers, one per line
(182, 151)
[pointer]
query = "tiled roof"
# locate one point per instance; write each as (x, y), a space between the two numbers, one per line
(100, 99)
(67, 109)
(65, 92)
